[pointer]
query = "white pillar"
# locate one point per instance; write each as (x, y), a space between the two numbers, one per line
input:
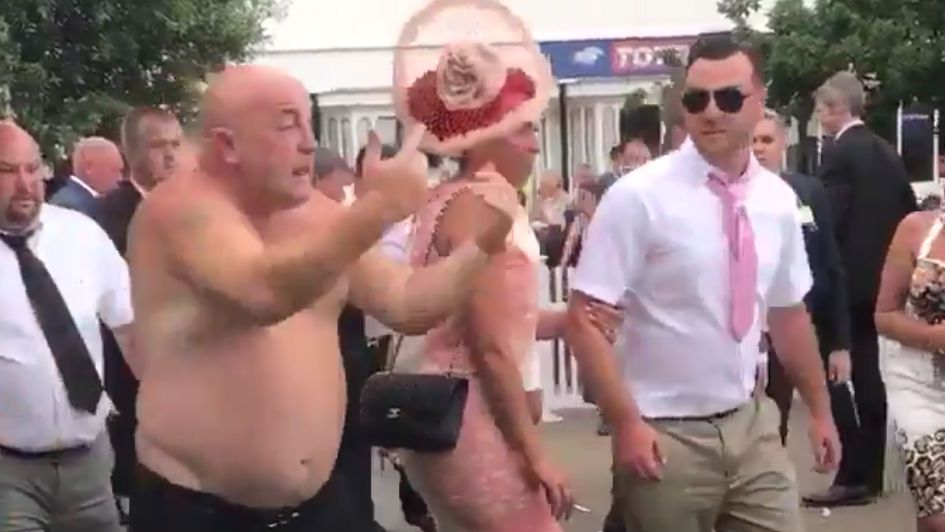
(899, 129)
(935, 145)
(599, 151)
(617, 107)
(353, 131)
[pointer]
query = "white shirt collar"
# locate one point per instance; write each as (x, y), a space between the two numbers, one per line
(688, 149)
(85, 185)
(138, 187)
(852, 123)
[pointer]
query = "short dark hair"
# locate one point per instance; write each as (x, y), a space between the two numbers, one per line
(131, 125)
(387, 152)
(717, 47)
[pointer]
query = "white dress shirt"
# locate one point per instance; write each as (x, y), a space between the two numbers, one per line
(35, 413)
(846, 127)
(657, 245)
(393, 245)
(85, 185)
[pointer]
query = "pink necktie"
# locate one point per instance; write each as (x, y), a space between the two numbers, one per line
(742, 258)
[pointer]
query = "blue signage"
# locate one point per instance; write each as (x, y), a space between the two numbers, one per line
(578, 59)
(610, 58)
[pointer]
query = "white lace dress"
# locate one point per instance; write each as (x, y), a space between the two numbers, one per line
(915, 387)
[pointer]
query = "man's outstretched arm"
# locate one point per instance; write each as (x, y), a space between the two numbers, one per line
(413, 301)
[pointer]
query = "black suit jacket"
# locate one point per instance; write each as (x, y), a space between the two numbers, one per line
(870, 194)
(113, 213)
(827, 300)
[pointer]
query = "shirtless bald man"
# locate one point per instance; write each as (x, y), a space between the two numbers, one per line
(239, 273)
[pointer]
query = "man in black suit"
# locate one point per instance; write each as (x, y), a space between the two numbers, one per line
(827, 300)
(870, 194)
(96, 168)
(151, 139)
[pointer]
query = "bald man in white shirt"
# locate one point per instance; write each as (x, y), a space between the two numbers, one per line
(59, 275)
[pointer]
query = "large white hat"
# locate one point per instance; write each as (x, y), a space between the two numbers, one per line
(469, 71)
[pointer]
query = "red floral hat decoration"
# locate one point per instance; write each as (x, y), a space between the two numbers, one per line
(469, 71)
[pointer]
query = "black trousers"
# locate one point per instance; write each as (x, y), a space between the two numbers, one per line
(160, 506)
(866, 468)
(861, 418)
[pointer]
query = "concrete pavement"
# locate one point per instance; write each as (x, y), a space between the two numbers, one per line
(586, 457)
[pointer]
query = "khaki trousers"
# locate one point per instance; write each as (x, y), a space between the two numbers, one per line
(726, 475)
(69, 494)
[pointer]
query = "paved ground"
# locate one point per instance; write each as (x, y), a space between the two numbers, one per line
(587, 458)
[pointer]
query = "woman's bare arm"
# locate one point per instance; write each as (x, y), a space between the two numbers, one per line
(892, 320)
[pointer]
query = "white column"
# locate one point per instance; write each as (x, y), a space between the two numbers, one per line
(353, 131)
(935, 144)
(600, 150)
(617, 107)
(899, 129)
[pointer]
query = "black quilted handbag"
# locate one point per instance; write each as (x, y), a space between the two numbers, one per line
(414, 411)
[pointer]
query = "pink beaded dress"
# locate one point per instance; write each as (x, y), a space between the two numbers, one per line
(480, 486)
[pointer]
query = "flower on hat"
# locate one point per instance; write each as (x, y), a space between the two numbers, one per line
(469, 90)
(488, 79)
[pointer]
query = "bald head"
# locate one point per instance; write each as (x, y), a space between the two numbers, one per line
(97, 162)
(256, 124)
(10, 131)
(241, 89)
(21, 178)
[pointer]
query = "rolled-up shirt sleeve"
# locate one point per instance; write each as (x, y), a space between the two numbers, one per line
(114, 305)
(614, 249)
(792, 279)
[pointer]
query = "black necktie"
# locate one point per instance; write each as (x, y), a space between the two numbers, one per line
(83, 385)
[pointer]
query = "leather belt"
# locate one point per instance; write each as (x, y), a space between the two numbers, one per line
(54, 454)
(711, 417)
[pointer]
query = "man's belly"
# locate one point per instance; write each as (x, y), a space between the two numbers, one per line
(257, 422)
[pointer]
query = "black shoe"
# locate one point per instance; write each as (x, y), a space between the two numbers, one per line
(837, 496)
(424, 522)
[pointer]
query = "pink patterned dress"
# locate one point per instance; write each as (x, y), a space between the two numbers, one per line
(479, 486)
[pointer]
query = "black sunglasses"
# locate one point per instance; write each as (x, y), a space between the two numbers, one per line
(728, 100)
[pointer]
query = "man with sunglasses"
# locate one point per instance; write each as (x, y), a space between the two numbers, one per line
(695, 246)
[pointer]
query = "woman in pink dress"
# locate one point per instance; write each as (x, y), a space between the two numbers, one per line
(481, 102)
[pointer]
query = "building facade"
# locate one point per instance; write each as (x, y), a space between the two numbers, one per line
(600, 51)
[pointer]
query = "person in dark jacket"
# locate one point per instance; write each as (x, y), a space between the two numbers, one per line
(827, 300)
(870, 194)
(151, 142)
(96, 169)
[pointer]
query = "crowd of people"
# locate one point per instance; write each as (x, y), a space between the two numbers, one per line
(217, 338)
